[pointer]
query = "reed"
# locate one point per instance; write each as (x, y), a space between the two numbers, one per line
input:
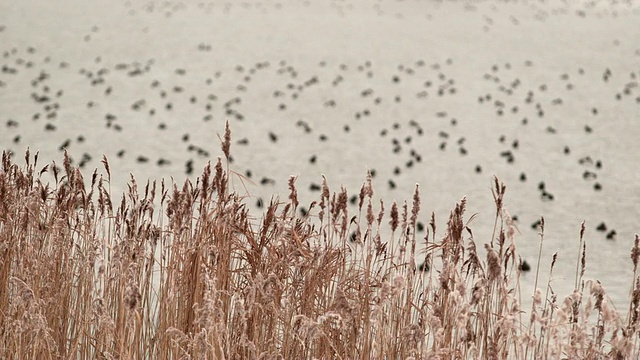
(182, 272)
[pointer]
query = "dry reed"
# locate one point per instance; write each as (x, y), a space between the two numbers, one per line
(184, 272)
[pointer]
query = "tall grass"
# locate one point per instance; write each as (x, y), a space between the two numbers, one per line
(170, 272)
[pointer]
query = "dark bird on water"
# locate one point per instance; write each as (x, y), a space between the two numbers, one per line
(611, 235)
(424, 267)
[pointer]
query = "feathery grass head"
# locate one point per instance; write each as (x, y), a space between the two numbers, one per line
(635, 253)
(226, 143)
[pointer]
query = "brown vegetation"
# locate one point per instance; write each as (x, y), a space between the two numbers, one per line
(185, 272)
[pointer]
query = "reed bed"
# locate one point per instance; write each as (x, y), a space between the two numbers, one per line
(169, 272)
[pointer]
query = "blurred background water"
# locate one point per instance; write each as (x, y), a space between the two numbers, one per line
(541, 94)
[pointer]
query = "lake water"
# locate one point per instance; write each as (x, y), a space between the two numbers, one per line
(443, 94)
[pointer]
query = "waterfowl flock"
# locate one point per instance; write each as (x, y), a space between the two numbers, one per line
(545, 98)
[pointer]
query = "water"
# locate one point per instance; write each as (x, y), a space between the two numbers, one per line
(361, 65)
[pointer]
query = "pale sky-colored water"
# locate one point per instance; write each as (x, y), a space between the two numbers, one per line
(371, 66)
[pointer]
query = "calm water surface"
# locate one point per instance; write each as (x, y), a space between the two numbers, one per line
(445, 95)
